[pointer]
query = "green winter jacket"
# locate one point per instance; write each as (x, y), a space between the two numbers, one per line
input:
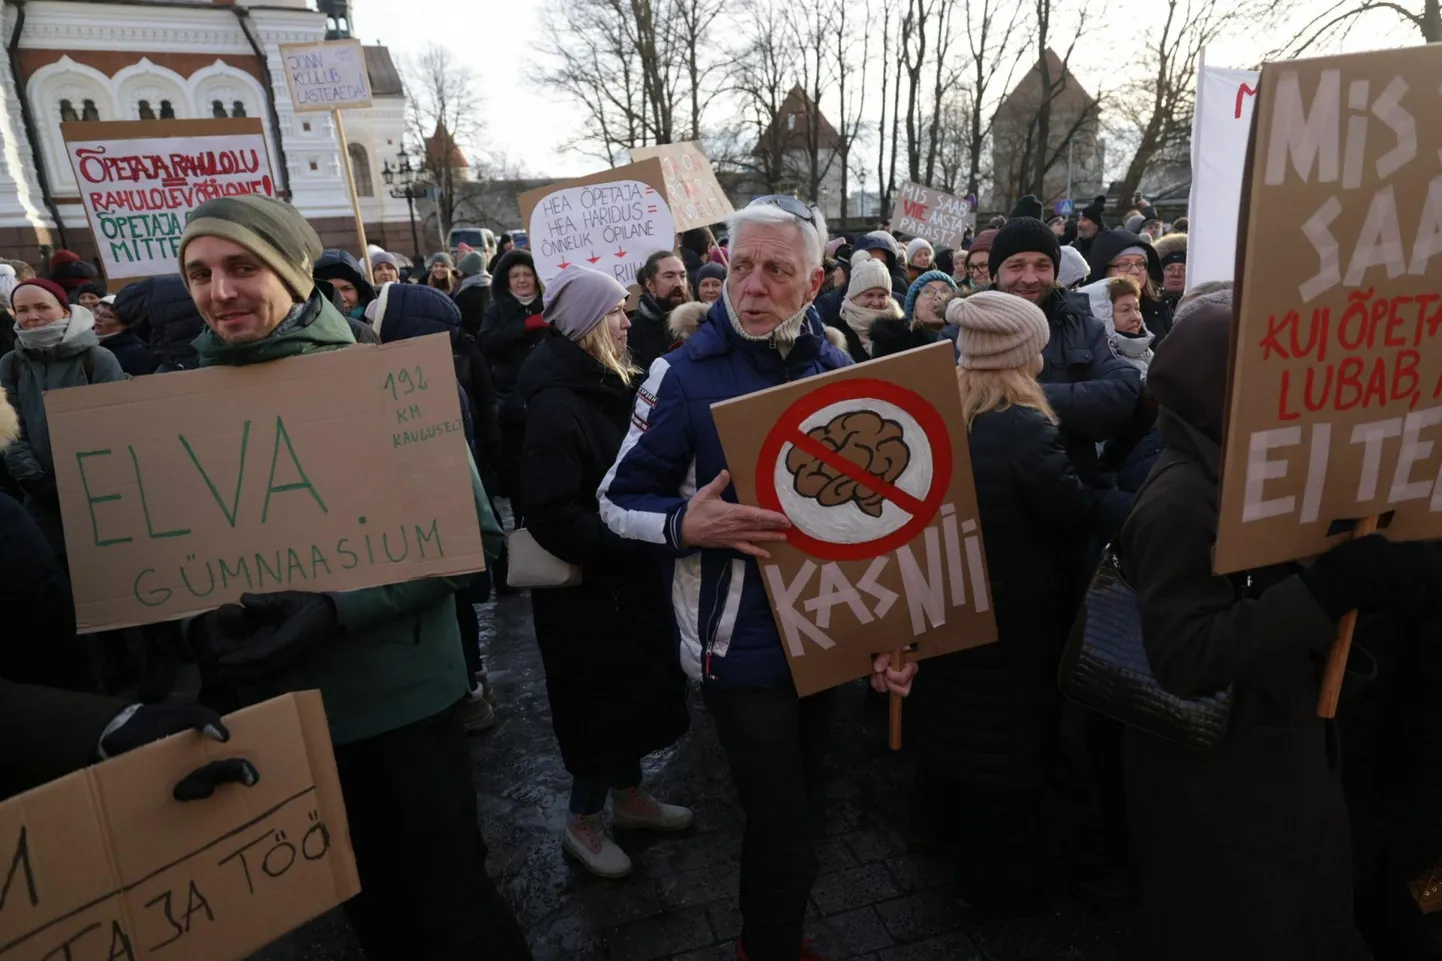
(398, 659)
(77, 361)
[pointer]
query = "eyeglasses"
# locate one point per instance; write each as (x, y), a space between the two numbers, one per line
(978, 268)
(933, 293)
(787, 203)
(1130, 266)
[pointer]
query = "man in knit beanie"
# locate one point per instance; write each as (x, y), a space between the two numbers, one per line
(387, 660)
(1092, 390)
(670, 488)
(1090, 220)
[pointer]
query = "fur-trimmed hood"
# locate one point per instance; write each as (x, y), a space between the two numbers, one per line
(1169, 246)
(684, 320)
(9, 423)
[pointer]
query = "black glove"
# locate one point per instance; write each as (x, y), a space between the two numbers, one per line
(263, 634)
(202, 782)
(151, 722)
(1373, 572)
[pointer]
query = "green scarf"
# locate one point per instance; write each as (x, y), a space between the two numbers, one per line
(317, 327)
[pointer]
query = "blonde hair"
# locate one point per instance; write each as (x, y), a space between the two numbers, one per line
(598, 343)
(987, 390)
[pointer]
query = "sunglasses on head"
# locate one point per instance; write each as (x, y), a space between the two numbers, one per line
(791, 205)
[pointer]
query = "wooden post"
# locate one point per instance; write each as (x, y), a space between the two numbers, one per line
(1342, 646)
(360, 225)
(898, 660)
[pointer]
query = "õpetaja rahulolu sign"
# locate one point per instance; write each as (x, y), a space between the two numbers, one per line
(1335, 400)
(140, 179)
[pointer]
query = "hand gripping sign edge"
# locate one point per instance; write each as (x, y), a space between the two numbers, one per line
(788, 426)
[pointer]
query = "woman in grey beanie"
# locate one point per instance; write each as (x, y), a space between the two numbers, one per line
(980, 721)
(615, 689)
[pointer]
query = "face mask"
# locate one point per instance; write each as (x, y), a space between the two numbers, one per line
(41, 338)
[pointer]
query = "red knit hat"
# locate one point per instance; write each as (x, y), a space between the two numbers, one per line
(54, 289)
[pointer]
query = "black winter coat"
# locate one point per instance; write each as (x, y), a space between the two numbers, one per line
(1093, 391)
(1243, 850)
(41, 646)
(160, 311)
(649, 336)
(616, 689)
(504, 339)
(1157, 315)
(472, 299)
(893, 336)
(135, 358)
(982, 716)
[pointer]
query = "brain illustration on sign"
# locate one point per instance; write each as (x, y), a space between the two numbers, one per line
(859, 466)
(864, 437)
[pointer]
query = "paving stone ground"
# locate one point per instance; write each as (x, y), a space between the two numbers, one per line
(875, 899)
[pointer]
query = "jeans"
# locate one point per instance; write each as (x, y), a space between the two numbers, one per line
(425, 894)
(588, 794)
(771, 739)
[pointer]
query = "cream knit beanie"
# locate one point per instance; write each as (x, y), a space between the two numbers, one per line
(866, 275)
(997, 331)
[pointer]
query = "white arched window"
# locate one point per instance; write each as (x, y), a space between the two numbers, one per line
(163, 92)
(360, 166)
(65, 92)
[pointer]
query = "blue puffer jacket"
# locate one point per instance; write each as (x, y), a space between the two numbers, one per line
(724, 627)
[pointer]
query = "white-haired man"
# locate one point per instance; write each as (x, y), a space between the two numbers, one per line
(670, 487)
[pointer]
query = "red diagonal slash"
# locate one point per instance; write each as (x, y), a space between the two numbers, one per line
(857, 473)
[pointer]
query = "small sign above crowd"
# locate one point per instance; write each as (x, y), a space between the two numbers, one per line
(609, 221)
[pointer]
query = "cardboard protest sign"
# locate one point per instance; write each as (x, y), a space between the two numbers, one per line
(928, 213)
(1335, 409)
(610, 221)
(695, 195)
(331, 471)
(329, 75)
(105, 864)
(140, 179)
(1220, 123)
(871, 465)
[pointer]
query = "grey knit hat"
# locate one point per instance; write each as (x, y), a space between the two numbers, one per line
(271, 229)
(997, 331)
(441, 258)
(471, 264)
(579, 299)
(383, 257)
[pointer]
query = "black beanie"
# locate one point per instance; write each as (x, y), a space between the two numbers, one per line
(1027, 206)
(1024, 235)
(1094, 211)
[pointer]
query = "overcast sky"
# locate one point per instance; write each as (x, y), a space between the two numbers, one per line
(497, 39)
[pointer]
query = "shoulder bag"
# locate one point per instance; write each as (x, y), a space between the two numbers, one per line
(531, 565)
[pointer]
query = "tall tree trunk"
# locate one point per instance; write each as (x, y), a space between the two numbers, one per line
(1432, 21)
(881, 128)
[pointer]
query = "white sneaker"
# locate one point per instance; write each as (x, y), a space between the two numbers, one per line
(586, 841)
(633, 808)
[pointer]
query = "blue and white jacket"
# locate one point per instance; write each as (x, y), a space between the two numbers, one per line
(723, 623)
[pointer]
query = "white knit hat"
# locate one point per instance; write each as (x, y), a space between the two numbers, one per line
(919, 243)
(866, 275)
(1074, 268)
(997, 331)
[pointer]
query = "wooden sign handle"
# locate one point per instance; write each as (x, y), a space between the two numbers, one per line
(360, 224)
(898, 660)
(1342, 646)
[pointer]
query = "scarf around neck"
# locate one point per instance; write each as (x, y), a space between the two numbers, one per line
(860, 319)
(782, 336)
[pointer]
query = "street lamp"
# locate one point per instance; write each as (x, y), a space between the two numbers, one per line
(408, 190)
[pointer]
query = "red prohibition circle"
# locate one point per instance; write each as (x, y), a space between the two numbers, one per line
(789, 425)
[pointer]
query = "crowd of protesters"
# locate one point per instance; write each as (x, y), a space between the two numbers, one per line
(1092, 379)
